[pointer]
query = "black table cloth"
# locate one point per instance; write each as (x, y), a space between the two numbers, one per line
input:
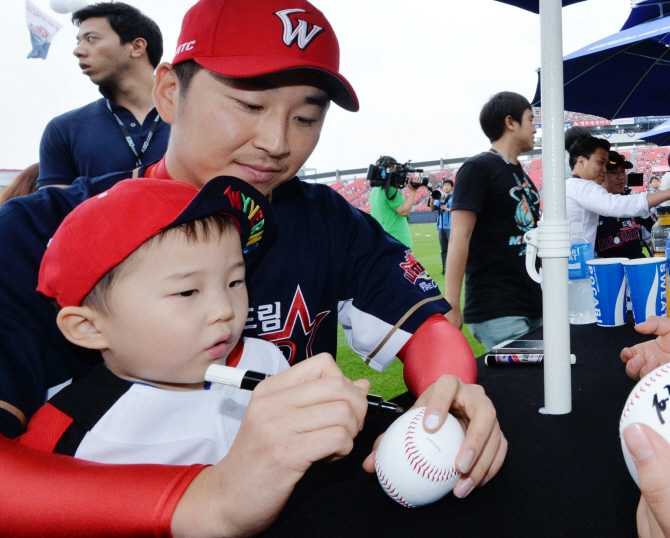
(564, 475)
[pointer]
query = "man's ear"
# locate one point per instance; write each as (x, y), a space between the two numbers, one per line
(137, 46)
(79, 324)
(510, 123)
(166, 92)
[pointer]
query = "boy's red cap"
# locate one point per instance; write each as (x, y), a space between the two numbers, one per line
(250, 38)
(103, 231)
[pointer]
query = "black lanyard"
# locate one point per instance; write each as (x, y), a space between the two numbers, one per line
(533, 208)
(129, 140)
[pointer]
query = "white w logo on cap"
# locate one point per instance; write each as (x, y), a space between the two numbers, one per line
(300, 32)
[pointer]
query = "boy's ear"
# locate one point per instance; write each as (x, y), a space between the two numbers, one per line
(79, 324)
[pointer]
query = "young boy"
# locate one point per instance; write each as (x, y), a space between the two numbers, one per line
(151, 273)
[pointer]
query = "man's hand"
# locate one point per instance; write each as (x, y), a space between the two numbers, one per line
(414, 184)
(484, 447)
(455, 317)
(651, 454)
(643, 358)
(307, 413)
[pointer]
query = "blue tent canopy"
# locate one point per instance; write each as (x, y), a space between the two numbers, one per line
(533, 5)
(659, 135)
(653, 31)
(623, 75)
(647, 11)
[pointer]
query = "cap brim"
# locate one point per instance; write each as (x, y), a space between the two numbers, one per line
(627, 165)
(231, 196)
(339, 89)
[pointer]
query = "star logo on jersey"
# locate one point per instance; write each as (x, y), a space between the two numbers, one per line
(285, 338)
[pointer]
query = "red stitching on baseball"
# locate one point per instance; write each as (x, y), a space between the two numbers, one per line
(416, 459)
(653, 378)
(417, 462)
(389, 489)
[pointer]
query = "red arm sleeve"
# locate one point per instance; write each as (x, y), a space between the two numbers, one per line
(49, 495)
(437, 348)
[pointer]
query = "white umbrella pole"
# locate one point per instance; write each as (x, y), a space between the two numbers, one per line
(557, 381)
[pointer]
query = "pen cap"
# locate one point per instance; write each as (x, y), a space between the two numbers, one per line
(225, 375)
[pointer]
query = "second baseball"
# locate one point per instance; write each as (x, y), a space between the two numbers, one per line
(415, 467)
(647, 404)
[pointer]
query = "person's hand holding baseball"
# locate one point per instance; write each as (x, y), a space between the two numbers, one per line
(643, 358)
(651, 454)
(307, 413)
(484, 448)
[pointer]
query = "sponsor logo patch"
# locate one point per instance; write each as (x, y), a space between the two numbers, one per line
(415, 273)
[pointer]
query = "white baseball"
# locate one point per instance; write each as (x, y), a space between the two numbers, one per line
(76, 5)
(415, 467)
(648, 404)
(59, 6)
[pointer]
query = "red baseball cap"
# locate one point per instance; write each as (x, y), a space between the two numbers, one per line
(104, 230)
(250, 38)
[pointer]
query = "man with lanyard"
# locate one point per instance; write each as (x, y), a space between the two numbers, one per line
(258, 120)
(495, 203)
(118, 48)
(442, 204)
(620, 237)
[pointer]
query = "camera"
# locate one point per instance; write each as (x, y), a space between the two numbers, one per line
(633, 179)
(439, 195)
(387, 171)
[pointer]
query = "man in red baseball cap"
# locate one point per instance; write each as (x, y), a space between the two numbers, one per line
(246, 96)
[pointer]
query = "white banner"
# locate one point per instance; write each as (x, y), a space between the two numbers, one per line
(43, 29)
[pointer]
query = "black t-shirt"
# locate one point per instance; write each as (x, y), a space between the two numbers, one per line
(620, 237)
(496, 281)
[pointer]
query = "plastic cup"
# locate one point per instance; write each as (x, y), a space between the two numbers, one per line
(608, 284)
(648, 287)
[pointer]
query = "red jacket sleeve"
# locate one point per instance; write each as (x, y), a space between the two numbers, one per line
(54, 496)
(437, 348)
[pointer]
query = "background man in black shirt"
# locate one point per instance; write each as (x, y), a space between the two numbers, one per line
(494, 204)
(620, 237)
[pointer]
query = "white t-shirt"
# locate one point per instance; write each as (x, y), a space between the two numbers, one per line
(586, 200)
(152, 425)
(664, 185)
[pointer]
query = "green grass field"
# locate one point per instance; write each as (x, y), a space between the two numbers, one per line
(390, 383)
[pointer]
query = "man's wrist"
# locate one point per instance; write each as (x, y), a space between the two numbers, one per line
(454, 302)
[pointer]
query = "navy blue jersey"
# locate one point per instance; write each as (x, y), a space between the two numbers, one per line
(328, 261)
(331, 261)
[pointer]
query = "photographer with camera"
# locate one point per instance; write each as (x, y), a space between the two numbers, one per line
(387, 204)
(441, 202)
(620, 237)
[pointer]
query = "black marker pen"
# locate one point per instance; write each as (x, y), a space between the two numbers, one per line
(247, 380)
